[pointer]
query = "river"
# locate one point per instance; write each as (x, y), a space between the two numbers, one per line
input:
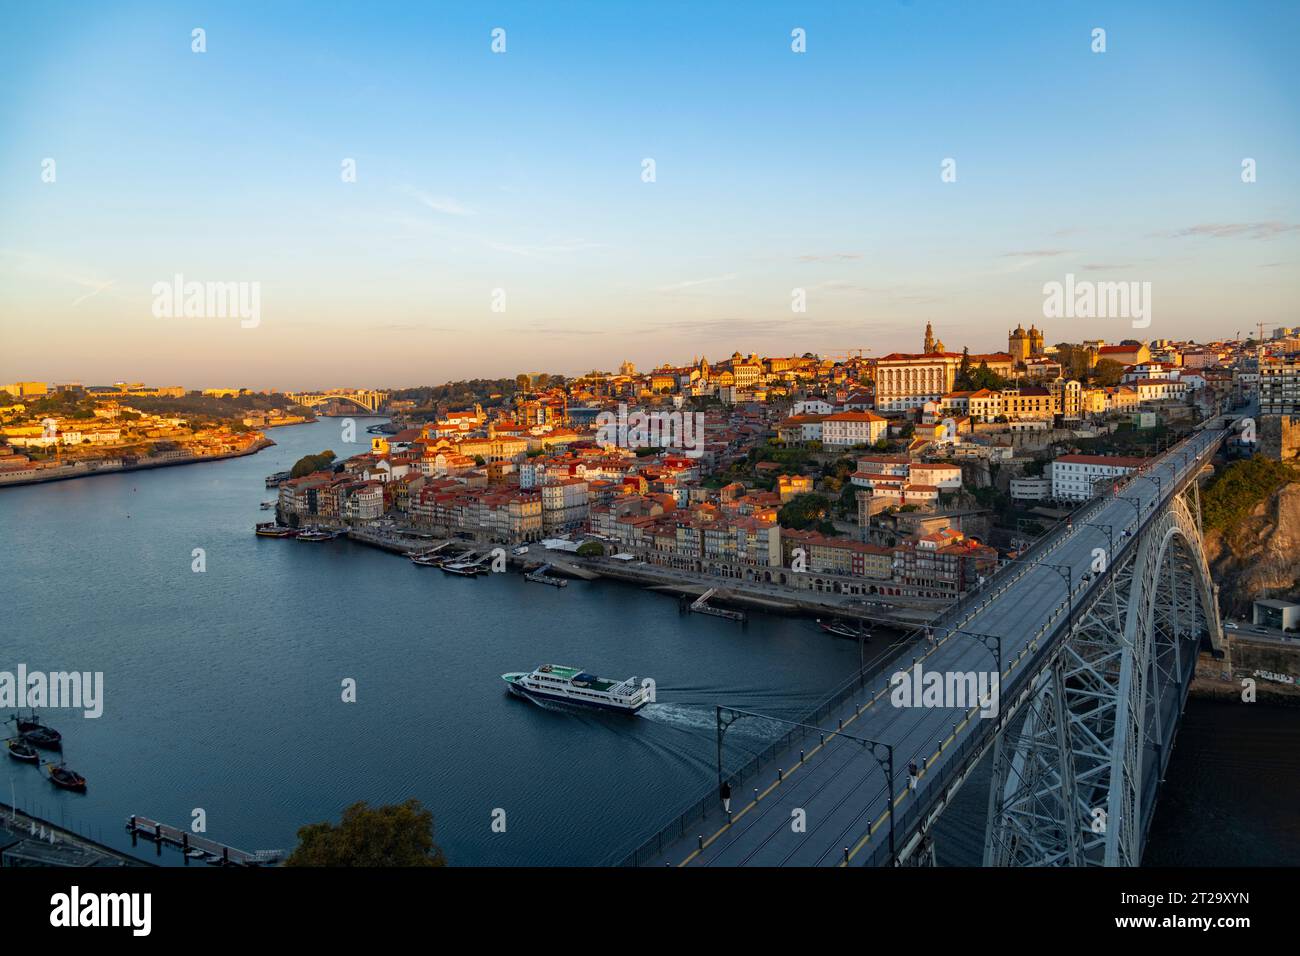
(223, 688)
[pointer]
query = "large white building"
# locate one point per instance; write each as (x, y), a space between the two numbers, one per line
(853, 428)
(905, 381)
(1075, 477)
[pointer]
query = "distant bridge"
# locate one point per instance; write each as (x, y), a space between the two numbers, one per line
(367, 399)
(1094, 633)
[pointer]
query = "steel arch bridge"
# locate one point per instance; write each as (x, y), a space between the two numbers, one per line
(365, 399)
(1076, 770)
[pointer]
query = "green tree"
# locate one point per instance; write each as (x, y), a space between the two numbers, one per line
(963, 382)
(1108, 372)
(309, 463)
(591, 549)
(803, 511)
(399, 834)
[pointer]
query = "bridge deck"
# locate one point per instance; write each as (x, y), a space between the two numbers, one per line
(840, 785)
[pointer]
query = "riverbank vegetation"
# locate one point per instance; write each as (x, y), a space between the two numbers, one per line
(1235, 491)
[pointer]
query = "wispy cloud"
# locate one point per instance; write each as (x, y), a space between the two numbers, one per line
(1234, 230)
(409, 327)
(92, 293)
(545, 250)
(42, 267)
(692, 283)
(1035, 254)
(440, 204)
(828, 257)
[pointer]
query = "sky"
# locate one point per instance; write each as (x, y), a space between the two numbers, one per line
(500, 220)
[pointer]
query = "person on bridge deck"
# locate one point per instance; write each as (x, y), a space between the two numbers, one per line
(913, 774)
(724, 792)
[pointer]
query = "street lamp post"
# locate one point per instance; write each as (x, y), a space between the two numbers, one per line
(1110, 534)
(887, 765)
(995, 648)
(1159, 483)
(1137, 509)
(1067, 574)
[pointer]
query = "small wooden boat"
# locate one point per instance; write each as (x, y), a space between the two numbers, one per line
(316, 534)
(427, 560)
(36, 733)
(61, 776)
(463, 569)
(20, 749)
(44, 737)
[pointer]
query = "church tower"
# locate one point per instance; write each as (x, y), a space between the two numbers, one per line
(1018, 344)
(929, 340)
(1035, 341)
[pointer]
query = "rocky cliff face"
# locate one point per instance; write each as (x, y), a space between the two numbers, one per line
(1260, 554)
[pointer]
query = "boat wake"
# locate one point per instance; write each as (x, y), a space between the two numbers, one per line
(700, 718)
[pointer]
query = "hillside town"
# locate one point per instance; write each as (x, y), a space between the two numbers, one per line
(908, 476)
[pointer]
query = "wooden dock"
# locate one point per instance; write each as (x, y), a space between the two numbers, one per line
(701, 606)
(541, 577)
(196, 846)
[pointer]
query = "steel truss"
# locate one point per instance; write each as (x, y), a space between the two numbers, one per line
(1075, 773)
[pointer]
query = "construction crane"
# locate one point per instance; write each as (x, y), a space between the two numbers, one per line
(843, 354)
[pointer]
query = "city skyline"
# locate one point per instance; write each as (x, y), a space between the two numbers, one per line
(522, 171)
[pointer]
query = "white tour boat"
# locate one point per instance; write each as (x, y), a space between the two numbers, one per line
(572, 685)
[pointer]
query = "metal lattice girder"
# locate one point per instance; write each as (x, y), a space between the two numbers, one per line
(1075, 774)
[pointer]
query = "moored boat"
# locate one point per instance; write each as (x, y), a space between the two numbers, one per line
(840, 629)
(269, 529)
(572, 685)
(36, 733)
(20, 749)
(464, 569)
(427, 560)
(317, 534)
(61, 776)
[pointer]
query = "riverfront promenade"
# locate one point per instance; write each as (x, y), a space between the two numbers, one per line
(905, 612)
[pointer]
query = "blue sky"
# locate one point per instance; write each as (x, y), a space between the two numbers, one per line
(522, 171)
